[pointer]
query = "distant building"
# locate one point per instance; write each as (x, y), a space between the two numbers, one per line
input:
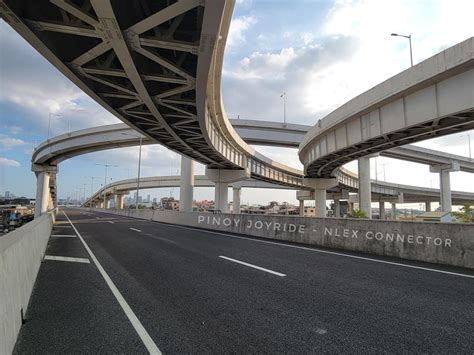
(309, 211)
(169, 203)
(434, 217)
(203, 205)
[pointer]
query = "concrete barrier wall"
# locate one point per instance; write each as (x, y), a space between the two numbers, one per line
(21, 253)
(441, 243)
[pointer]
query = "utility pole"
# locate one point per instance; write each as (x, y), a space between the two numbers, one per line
(92, 186)
(284, 108)
(105, 179)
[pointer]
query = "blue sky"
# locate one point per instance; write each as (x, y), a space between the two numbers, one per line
(321, 53)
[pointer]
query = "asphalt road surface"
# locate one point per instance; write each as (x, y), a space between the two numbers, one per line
(135, 286)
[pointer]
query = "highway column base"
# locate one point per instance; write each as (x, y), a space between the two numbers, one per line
(222, 178)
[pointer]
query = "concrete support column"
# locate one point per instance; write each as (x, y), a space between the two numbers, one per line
(301, 208)
(365, 189)
(394, 210)
(428, 206)
(222, 178)
(445, 186)
(320, 186)
(107, 201)
(221, 196)
(337, 208)
(44, 200)
(382, 210)
(50, 202)
(42, 193)
(186, 189)
(119, 201)
(351, 207)
(236, 193)
(320, 202)
(101, 204)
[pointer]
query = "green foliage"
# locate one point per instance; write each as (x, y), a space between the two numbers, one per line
(358, 214)
(465, 214)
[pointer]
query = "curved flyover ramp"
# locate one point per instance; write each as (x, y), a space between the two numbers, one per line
(60, 148)
(431, 99)
(380, 190)
(156, 65)
(273, 134)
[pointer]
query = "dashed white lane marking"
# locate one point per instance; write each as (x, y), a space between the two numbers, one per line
(64, 235)
(137, 325)
(136, 230)
(323, 251)
(110, 222)
(66, 258)
(253, 266)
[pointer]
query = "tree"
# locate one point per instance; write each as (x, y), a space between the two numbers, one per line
(358, 214)
(465, 214)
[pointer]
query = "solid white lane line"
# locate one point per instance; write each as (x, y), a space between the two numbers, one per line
(66, 258)
(64, 235)
(323, 251)
(253, 266)
(136, 230)
(137, 325)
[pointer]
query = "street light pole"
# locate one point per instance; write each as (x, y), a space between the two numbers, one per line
(105, 179)
(92, 187)
(49, 122)
(469, 143)
(383, 165)
(139, 165)
(409, 40)
(284, 107)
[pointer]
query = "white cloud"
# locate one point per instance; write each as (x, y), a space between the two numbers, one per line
(305, 73)
(9, 162)
(10, 143)
(33, 88)
(237, 30)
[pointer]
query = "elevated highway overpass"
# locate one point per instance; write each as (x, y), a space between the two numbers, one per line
(267, 133)
(381, 191)
(431, 99)
(158, 69)
(155, 67)
(66, 146)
